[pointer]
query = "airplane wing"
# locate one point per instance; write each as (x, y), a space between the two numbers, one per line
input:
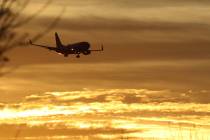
(43, 46)
(102, 49)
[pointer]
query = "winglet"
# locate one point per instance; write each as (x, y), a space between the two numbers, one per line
(30, 42)
(102, 47)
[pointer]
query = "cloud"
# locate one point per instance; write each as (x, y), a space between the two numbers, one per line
(180, 76)
(51, 130)
(133, 34)
(124, 39)
(102, 112)
(2, 105)
(122, 96)
(96, 23)
(130, 3)
(127, 96)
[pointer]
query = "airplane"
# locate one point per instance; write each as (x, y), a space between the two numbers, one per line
(76, 48)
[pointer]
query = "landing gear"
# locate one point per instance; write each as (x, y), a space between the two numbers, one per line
(78, 56)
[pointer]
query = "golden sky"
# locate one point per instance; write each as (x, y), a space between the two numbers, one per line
(151, 82)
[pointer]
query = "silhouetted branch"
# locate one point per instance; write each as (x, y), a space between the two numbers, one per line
(11, 20)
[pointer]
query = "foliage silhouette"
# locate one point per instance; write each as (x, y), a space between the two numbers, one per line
(11, 20)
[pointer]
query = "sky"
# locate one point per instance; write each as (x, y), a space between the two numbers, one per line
(150, 82)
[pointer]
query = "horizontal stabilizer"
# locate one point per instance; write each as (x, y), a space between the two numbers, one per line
(102, 49)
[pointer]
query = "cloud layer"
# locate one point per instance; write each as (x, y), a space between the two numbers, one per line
(109, 113)
(172, 75)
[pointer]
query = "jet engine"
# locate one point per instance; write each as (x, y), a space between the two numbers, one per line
(87, 52)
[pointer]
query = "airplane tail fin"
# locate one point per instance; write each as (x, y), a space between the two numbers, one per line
(58, 41)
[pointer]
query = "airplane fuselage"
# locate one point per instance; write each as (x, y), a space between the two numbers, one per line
(76, 48)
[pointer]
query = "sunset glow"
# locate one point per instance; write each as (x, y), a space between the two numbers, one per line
(115, 117)
(149, 81)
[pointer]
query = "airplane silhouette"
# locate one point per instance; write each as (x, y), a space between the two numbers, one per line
(76, 48)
